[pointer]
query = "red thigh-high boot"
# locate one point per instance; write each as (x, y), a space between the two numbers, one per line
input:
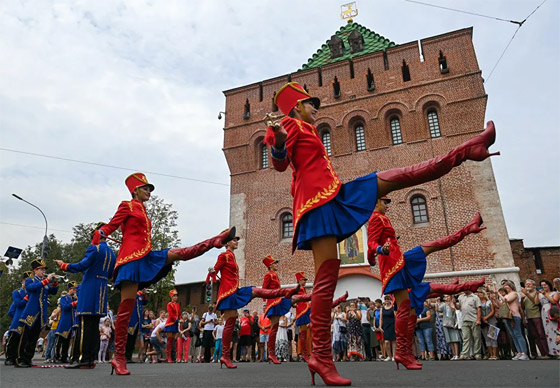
(304, 345)
(272, 345)
(169, 349)
(412, 318)
(321, 300)
(404, 353)
(437, 294)
(340, 300)
(121, 333)
(204, 246)
(226, 343)
(474, 149)
(276, 293)
(450, 289)
(456, 237)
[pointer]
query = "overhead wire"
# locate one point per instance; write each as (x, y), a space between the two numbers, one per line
(519, 25)
(111, 166)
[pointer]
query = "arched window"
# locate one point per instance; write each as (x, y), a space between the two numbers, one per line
(287, 225)
(360, 138)
(419, 209)
(326, 139)
(433, 123)
(396, 131)
(264, 156)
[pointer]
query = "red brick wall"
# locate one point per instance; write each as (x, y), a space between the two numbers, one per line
(259, 197)
(524, 258)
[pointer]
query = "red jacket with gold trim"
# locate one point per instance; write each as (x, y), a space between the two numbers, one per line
(174, 312)
(314, 181)
(229, 273)
(136, 230)
(381, 231)
(271, 281)
(302, 307)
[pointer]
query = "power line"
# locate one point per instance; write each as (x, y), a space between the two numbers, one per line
(519, 24)
(511, 40)
(36, 227)
(467, 12)
(111, 166)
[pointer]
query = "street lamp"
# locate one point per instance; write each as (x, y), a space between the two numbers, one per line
(45, 247)
(220, 115)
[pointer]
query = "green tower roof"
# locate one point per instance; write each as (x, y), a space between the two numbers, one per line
(372, 42)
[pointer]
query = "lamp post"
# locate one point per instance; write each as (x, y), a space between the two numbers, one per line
(45, 247)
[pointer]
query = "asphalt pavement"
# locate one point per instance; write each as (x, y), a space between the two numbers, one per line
(541, 374)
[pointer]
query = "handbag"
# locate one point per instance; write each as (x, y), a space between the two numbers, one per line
(448, 322)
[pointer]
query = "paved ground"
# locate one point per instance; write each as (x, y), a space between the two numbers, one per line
(508, 374)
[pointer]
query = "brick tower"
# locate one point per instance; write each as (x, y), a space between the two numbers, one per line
(382, 106)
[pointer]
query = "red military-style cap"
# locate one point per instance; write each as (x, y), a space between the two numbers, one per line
(133, 181)
(269, 260)
(173, 292)
(290, 95)
(300, 275)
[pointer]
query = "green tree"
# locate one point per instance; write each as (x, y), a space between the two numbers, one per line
(164, 235)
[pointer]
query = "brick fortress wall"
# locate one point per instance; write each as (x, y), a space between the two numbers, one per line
(260, 196)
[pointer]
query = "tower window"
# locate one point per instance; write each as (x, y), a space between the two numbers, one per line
(326, 139)
(433, 123)
(405, 71)
(264, 156)
(396, 131)
(419, 209)
(336, 88)
(360, 138)
(247, 110)
(287, 225)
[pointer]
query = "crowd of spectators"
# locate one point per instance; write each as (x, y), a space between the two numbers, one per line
(493, 323)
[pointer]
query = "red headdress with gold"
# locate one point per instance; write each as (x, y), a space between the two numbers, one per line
(269, 260)
(291, 95)
(300, 275)
(133, 181)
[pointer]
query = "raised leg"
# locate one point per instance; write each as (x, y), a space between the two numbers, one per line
(189, 253)
(474, 149)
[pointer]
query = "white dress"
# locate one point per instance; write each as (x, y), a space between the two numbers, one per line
(282, 344)
(549, 326)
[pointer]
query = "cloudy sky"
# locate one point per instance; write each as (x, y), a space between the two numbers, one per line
(138, 85)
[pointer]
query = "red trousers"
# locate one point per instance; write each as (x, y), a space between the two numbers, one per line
(183, 348)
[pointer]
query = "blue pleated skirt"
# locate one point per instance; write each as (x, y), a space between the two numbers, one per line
(410, 277)
(343, 215)
(145, 271)
(174, 328)
(238, 299)
(280, 309)
(304, 319)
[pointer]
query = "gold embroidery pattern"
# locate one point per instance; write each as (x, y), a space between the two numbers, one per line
(234, 288)
(392, 271)
(298, 316)
(323, 194)
(142, 252)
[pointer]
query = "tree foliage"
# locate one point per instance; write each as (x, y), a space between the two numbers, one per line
(164, 235)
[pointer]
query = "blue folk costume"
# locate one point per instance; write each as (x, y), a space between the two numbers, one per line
(34, 316)
(19, 301)
(97, 267)
(64, 329)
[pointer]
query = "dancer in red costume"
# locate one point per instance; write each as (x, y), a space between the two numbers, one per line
(172, 323)
(138, 265)
(231, 297)
(303, 312)
(326, 211)
(402, 274)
